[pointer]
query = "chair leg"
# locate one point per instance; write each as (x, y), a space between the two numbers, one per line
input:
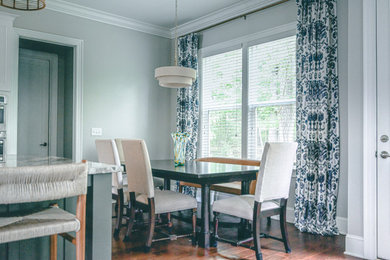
(256, 230)
(119, 213)
(169, 222)
(53, 247)
(193, 227)
(214, 238)
(268, 221)
(283, 225)
(131, 217)
(180, 188)
(152, 220)
(80, 235)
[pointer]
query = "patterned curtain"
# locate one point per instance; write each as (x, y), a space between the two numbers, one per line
(187, 107)
(317, 118)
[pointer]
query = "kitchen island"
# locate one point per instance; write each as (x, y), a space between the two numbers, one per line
(98, 216)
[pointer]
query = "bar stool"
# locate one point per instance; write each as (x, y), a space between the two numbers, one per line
(44, 183)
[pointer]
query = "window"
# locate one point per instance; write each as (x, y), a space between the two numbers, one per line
(271, 99)
(263, 107)
(221, 104)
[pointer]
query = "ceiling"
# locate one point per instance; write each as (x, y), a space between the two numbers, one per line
(158, 12)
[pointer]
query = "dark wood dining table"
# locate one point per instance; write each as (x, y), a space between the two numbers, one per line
(205, 174)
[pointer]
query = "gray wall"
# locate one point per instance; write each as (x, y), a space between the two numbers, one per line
(120, 94)
(280, 15)
(355, 118)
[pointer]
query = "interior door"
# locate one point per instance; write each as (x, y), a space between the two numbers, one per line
(383, 127)
(36, 104)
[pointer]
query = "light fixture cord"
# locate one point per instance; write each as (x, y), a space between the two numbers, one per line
(176, 33)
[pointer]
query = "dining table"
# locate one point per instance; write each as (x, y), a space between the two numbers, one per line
(204, 174)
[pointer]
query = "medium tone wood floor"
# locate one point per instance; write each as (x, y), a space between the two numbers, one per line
(303, 245)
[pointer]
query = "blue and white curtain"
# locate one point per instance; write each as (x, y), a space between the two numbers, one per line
(318, 139)
(187, 107)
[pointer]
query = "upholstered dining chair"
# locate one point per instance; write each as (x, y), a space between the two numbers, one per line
(108, 153)
(231, 187)
(158, 182)
(44, 183)
(270, 198)
(155, 201)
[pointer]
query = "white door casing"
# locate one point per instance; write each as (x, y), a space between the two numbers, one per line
(78, 47)
(383, 127)
(37, 112)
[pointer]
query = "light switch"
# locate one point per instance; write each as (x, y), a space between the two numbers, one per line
(96, 131)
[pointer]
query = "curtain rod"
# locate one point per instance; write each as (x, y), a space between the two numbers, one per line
(240, 16)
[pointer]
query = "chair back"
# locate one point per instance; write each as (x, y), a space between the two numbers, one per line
(273, 180)
(108, 153)
(248, 162)
(42, 183)
(138, 169)
(229, 161)
(118, 142)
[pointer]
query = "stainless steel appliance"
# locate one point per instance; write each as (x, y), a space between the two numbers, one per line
(3, 130)
(3, 105)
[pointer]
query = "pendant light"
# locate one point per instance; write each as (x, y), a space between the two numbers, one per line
(24, 5)
(175, 76)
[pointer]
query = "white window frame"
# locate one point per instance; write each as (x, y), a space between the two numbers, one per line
(243, 43)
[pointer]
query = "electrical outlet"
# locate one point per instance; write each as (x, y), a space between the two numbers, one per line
(96, 131)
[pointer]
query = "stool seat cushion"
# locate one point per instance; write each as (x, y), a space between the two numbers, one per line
(42, 223)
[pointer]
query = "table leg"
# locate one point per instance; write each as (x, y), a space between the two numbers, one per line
(167, 184)
(204, 237)
(245, 187)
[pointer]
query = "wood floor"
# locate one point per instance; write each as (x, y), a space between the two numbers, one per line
(304, 246)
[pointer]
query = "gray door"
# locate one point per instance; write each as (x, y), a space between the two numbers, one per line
(37, 87)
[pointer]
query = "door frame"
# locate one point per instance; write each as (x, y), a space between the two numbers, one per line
(370, 129)
(53, 93)
(78, 54)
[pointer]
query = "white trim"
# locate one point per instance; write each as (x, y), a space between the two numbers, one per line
(281, 31)
(354, 246)
(224, 14)
(78, 47)
(245, 100)
(107, 18)
(342, 222)
(369, 132)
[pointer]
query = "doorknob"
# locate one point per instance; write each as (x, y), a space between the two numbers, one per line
(44, 144)
(385, 154)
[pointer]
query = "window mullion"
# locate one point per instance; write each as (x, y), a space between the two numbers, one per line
(244, 123)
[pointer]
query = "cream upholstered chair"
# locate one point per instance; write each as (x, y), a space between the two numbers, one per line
(44, 183)
(158, 182)
(108, 153)
(273, 184)
(139, 174)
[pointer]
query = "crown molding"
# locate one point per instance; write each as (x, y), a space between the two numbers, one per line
(224, 14)
(105, 17)
(240, 8)
(7, 17)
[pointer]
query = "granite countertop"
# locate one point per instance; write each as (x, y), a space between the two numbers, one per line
(93, 167)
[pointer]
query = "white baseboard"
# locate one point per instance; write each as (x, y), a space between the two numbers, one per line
(354, 246)
(342, 223)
